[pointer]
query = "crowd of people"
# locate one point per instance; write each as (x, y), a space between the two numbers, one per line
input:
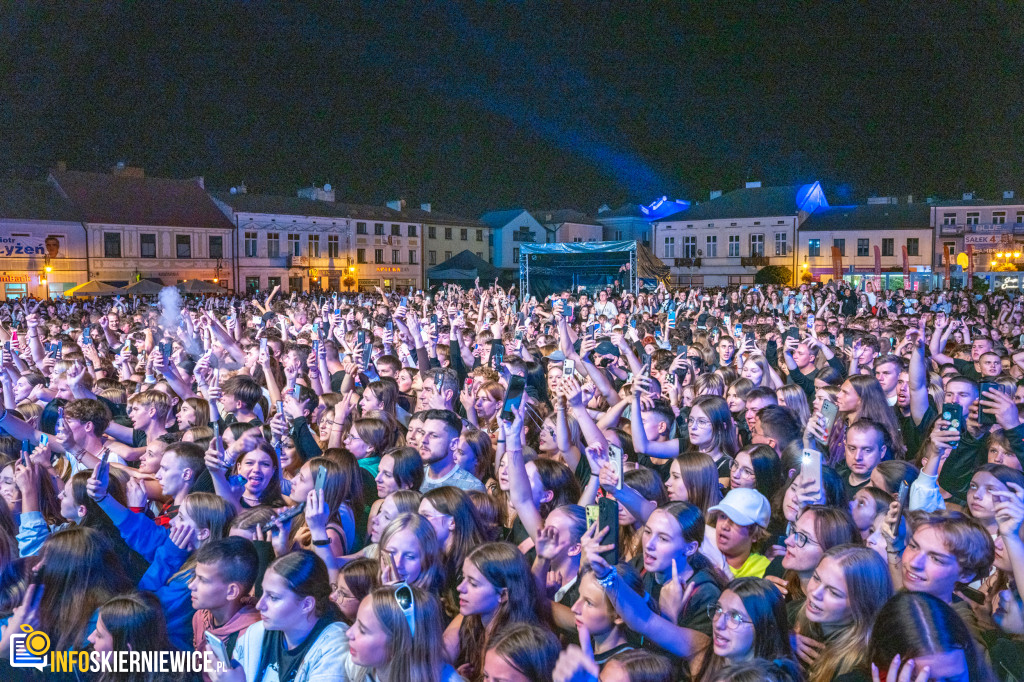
(755, 483)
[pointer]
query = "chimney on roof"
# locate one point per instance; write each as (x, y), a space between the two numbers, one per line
(968, 196)
(910, 198)
(325, 193)
(123, 170)
(715, 193)
(425, 207)
(396, 204)
(1008, 194)
(754, 185)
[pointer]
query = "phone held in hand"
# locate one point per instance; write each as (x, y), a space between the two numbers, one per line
(568, 367)
(954, 414)
(608, 517)
(287, 515)
(810, 467)
(217, 648)
(321, 478)
(615, 457)
(513, 397)
(830, 411)
(985, 417)
(810, 322)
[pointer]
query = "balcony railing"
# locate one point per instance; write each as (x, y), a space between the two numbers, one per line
(981, 228)
(687, 262)
(754, 261)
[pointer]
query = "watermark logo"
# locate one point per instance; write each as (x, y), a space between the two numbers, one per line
(29, 648)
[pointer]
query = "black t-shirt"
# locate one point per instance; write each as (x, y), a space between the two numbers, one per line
(966, 368)
(276, 654)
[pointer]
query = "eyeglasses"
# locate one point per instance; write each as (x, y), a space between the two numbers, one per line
(702, 422)
(733, 619)
(403, 595)
(799, 539)
(745, 471)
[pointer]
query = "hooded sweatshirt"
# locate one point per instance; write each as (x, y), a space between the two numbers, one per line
(202, 622)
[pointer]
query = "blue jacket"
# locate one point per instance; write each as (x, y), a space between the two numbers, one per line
(154, 543)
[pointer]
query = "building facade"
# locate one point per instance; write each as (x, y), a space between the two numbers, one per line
(994, 228)
(855, 231)
(42, 241)
(726, 240)
(511, 228)
(444, 235)
(141, 227)
(567, 226)
(313, 243)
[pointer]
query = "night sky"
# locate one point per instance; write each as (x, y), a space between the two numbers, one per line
(547, 105)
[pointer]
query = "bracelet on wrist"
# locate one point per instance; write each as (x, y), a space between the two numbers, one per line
(322, 543)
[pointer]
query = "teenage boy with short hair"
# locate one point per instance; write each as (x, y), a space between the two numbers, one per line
(224, 576)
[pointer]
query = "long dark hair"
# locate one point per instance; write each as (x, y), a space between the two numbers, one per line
(505, 568)
(914, 624)
(307, 576)
(723, 428)
(80, 572)
(136, 622)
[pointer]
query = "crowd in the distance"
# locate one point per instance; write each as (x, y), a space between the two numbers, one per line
(759, 483)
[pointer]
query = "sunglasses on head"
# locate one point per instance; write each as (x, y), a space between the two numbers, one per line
(403, 595)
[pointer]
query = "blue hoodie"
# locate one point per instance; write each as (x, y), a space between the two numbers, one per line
(155, 545)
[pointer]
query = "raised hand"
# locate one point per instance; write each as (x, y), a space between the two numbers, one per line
(675, 595)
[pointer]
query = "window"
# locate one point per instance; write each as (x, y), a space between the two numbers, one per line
(111, 245)
(888, 246)
(395, 256)
(332, 246)
(734, 246)
(781, 244)
(216, 245)
(360, 228)
(862, 247)
(314, 246)
(183, 245)
(480, 235)
(378, 255)
(396, 230)
(577, 239)
(147, 245)
(273, 245)
(618, 235)
(711, 246)
(378, 228)
(490, 239)
(360, 255)
(250, 246)
(999, 217)
(952, 251)
(689, 247)
(973, 218)
(841, 245)
(252, 284)
(447, 255)
(515, 255)
(949, 218)
(447, 233)
(295, 284)
(813, 247)
(431, 232)
(273, 282)
(479, 254)
(670, 247)
(412, 230)
(431, 257)
(757, 245)
(294, 245)
(412, 257)
(464, 234)
(913, 246)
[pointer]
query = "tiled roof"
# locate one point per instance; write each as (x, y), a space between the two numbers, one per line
(869, 217)
(285, 205)
(624, 211)
(420, 216)
(564, 215)
(750, 202)
(124, 200)
(498, 219)
(34, 200)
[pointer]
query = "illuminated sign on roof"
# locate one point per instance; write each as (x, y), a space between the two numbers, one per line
(662, 207)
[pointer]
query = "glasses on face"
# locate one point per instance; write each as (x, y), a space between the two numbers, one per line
(799, 539)
(702, 422)
(743, 471)
(403, 595)
(733, 619)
